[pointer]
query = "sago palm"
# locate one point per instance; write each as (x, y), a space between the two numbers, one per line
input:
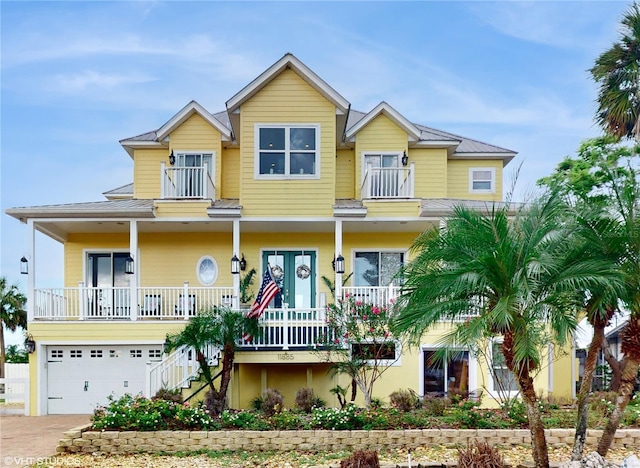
(519, 275)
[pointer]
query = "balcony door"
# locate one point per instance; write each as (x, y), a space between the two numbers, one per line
(109, 284)
(384, 180)
(190, 182)
(295, 273)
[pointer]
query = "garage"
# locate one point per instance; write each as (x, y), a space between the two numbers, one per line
(80, 378)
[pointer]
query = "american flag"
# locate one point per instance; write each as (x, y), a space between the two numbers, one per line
(268, 290)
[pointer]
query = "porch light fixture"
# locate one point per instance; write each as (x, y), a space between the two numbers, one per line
(24, 266)
(172, 158)
(235, 265)
(128, 265)
(405, 158)
(29, 344)
(339, 264)
(166, 346)
(243, 264)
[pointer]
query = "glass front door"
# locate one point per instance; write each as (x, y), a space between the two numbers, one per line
(447, 377)
(295, 273)
(109, 293)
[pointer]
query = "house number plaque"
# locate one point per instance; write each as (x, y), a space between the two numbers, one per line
(285, 356)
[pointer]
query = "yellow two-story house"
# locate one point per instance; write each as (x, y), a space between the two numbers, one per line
(287, 177)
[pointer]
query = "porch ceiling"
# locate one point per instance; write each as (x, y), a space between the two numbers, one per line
(60, 229)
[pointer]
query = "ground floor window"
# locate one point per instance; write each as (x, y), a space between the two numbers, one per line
(502, 378)
(448, 375)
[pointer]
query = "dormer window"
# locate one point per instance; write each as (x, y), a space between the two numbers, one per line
(287, 151)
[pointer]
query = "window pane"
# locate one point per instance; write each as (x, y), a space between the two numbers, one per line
(477, 185)
(390, 264)
(303, 163)
(272, 138)
(481, 175)
(271, 163)
(303, 138)
(303, 282)
(366, 269)
(458, 372)
(433, 374)
(389, 160)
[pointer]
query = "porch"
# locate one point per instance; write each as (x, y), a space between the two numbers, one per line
(281, 328)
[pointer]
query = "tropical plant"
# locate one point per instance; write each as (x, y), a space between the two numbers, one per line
(331, 284)
(516, 274)
(222, 328)
(16, 355)
(359, 343)
(587, 182)
(12, 313)
(246, 282)
(617, 72)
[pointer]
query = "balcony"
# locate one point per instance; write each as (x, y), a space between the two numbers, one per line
(388, 182)
(186, 183)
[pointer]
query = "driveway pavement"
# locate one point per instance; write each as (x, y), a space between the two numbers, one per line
(24, 439)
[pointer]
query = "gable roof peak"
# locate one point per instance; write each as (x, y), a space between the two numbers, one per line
(193, 107)
(386, 109)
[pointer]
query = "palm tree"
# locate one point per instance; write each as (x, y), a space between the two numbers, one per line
(220, 327)
(12, 313)
(617, 72)
(522, 276)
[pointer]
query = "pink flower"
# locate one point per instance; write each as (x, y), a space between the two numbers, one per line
(336, 341)
(347, 295)
(358, 303)
(371, 330)
(392, 300)
(386, 334)
(364, 317)
(376, 311)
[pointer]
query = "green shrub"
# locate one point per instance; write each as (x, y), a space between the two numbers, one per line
(435, 406)
(603, 403)
(243, 420)
(516, 410)
(169, 395)
(336, 419)
(288, 420)
(404, 400)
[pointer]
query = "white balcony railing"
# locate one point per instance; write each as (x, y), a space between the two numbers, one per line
(388, 182)
(186, 182)
(93, 303)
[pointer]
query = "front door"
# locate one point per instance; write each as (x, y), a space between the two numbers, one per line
(295, 273)
(109, 293)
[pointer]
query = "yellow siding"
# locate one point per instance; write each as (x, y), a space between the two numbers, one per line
(196, 134)
(230, 173)
(182, 209)
(288, 99)
(381, 134)
(146, 172)
(458, 179)
(170, 259)
(345, 170)
(390, 209)
(430, 176)
(74, 252)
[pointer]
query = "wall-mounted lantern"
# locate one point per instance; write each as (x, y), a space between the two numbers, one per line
(24, 265)
(129, 266)
(405, 158)
(235, 265)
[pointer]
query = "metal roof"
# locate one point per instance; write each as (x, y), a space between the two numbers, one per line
(103, 209)
(444, 206)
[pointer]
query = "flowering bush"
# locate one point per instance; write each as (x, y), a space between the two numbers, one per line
(142, 414)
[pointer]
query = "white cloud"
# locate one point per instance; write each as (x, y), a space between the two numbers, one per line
(90, 80)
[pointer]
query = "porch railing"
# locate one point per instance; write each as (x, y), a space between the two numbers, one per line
(375, 295)
(388, 182)
(94, 303)
(186, 182)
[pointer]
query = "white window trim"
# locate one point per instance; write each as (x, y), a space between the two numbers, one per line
(493, 391)
(397, 361)
(493, 179)
(215, 274)
(473, 369)
(287, 151)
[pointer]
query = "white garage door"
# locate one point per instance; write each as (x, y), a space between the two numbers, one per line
(79, 378)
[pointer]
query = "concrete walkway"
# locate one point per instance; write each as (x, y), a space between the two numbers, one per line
(24, 439)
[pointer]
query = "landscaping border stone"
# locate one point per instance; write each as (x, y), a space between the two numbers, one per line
(84, 440)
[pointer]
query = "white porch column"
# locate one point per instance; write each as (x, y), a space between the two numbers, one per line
(133, 282)
(31, 277)
(236, 252)
(338, 251)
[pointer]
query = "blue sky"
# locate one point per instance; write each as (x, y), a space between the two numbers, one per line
(76, 77)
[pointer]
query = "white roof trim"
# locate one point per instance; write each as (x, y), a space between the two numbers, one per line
(507, 156)
(436, 144)
(288, 61)
(129, 146)
(391, 113)
(187, 111)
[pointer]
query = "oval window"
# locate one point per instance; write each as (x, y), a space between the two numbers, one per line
(207, 270)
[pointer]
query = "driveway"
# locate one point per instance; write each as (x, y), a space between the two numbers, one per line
(24, 439)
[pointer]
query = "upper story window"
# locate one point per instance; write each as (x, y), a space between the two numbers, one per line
(287, 151)
(482, 180)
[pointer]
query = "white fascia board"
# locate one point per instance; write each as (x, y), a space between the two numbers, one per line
(506, 157)
(350, 212)
(436, 144)
(131, 146)
(288, 61)
(187, 111)
(384, 108)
